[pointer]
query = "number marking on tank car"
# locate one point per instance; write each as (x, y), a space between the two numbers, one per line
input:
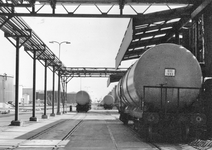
(170, 72)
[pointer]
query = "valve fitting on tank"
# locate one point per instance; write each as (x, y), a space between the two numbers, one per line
(198, 119)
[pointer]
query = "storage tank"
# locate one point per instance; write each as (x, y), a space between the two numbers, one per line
(82, 98)
(165, 65)
(108, 102)
(6, 89)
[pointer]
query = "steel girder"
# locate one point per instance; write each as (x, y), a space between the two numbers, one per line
(35, 7)
(92, 71)
(158, 27)
(15, 26)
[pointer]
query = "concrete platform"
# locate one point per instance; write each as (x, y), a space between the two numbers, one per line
(13, 135)
(105, 135)
(99, 130)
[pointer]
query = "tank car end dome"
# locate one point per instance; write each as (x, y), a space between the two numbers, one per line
(108, 100)
(82, 98)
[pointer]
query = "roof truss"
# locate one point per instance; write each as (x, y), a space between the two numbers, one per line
(97, 8)
(159, 27)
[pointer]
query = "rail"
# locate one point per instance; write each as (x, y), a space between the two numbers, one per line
(48, 130)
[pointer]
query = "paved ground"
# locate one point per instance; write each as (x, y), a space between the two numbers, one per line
(99, 130)
(105, 135)
(10, 135)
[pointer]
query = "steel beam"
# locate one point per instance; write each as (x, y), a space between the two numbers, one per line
(64, 92)
(17, 45)
(92, 72)
(5, 21)
(126, 1)
(71, 13)
(66, 95)
(45, 116)
(34, 118)
(17, 122)
(200, 8)
(162, 16)
(53, 92)
(207, 72)
(59, 98)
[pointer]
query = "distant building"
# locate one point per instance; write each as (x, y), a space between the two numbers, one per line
(20, 94)
(6, 88)
(40, 96)
(70, 97)
(27, 94)
(25, 99)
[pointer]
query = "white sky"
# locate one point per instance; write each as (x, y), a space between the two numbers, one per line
(94, 43)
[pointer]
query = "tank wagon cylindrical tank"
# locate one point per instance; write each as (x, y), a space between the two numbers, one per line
(163, 84)
(108, 102)
(83, 101)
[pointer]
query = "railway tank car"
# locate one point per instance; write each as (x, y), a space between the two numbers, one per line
(83, 101)
(108, 102)
(160, 92)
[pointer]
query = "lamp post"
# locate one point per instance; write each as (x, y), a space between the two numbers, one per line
(59, 75)
(60, 43)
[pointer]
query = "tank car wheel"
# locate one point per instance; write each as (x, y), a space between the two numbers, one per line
(185, 130)
(124, 118)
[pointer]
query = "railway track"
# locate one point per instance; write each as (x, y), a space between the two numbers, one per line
(153, 145)
(87, 130)
(51, 132)
(67, 136)
(36, 135)
(156, 145)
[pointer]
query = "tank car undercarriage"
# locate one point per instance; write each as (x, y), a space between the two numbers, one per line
(181, 126)
(83, 108)
(109, 107)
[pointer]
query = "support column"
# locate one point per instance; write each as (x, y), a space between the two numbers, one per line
(208, 41)
(66, 94)
(208, 66)
(63, 96)
(44, 116)
(17, 45)
(16, 122)
(33, 118)
(58, 101)
(177, 37)
(186, 41)
(53, 92)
